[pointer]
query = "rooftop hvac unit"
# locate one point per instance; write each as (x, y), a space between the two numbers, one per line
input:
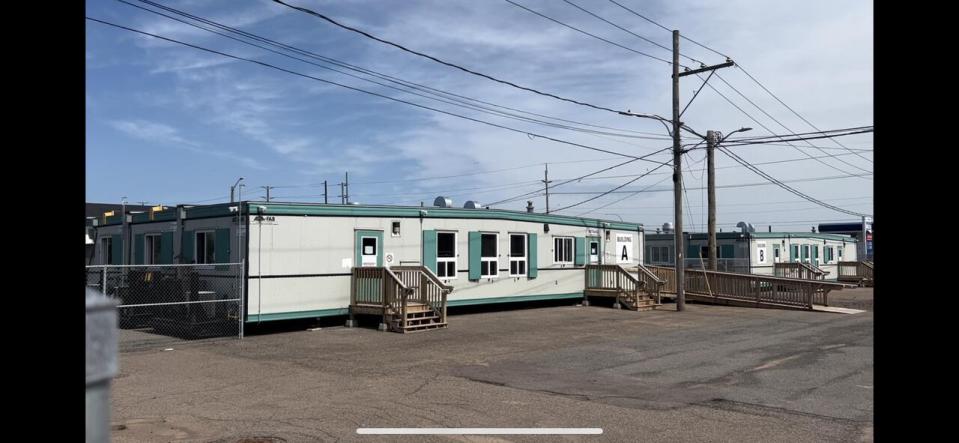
(667, 227)
(443, 202)
(473, 205)
(745, 227)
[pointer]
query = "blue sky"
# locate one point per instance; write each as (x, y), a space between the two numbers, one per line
(170, 124)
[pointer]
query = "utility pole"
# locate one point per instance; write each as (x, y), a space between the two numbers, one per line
(342, 194)
(678, 183)
(326, 200)
(547, 181)
(347, 185)
(711, 185)
(267, 192)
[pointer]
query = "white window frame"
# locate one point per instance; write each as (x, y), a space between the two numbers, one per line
(524, 258)
(808, 253)
(572, 249)
(398, 225)
(456, 253)
(197, 257)
(148, 248)
(494, 261)
(839, 251)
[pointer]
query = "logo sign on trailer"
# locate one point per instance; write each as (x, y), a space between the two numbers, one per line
(761, 252)
(624, 248)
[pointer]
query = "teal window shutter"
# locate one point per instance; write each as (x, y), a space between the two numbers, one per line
(188, 248)
(794, 252)
(727, 251)
(221, 246)
(166, 248)
(429, 249)
(474, 252)
(579, 257)
(116, 244)
(138, 249)
(531, 253)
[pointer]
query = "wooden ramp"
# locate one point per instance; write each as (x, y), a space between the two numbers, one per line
(749, 290)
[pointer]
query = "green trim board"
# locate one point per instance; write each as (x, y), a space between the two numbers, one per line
(755, 235)
(510, 299)
(532, 253)
(429, 249)
(253, 318)
(433, 212)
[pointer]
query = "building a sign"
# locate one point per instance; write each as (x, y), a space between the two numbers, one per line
(624, 248)
(761, 252)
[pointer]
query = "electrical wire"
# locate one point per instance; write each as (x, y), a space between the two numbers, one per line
(453, 65)
(528, 133)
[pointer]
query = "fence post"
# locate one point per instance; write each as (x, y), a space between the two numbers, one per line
(103, 281)
(242, 314)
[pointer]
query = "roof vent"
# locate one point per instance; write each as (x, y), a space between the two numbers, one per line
(745, 227)
(473, 205)
(443, 202)
(667, 227)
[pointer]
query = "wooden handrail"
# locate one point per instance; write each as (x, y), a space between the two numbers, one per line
(798, 270)
(751, 287)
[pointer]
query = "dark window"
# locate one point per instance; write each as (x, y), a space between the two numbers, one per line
(593, 248)
(396, 229)
(488, 248)
(205, 247)
(445, 245)
(517, 245)
(369, 246)
(152, 249)
(107, 248)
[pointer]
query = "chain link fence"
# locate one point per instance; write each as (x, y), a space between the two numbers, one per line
(163, 305)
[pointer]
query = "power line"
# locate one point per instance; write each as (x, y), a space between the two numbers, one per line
(781, 138)
(791, 109)
(634, 193)
(669, 30)
(452, 65)
(786, 187)
(764, 126)
(582, 177)
(740, 68)
(740, 185)
(610, 191)
(528, 133)
(441, 96)
(346, 65)
(777, 121)
(587, 33)
(628, 31)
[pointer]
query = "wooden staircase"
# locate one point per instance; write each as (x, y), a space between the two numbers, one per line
(409, 298)
(632, 292)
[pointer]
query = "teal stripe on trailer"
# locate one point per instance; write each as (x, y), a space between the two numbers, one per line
(253, 318)
(433, 212)
(515, 298)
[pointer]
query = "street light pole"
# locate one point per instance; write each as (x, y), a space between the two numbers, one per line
(711, 143)
(233, 188)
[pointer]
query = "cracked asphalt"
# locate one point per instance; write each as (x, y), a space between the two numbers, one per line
(711, 373)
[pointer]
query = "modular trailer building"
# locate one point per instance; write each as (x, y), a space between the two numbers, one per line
(756, 252)
(299, 257)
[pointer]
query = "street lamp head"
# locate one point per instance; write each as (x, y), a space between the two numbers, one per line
(745, 129)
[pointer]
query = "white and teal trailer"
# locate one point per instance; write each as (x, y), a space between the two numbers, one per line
(299, 257)
(758, 252)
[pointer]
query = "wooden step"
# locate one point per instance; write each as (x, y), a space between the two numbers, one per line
(423, 327)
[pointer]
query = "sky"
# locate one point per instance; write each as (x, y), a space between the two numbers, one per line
(170, 124)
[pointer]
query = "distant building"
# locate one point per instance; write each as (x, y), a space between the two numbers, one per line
(754, 252)
(96, 211)
(854, 230)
